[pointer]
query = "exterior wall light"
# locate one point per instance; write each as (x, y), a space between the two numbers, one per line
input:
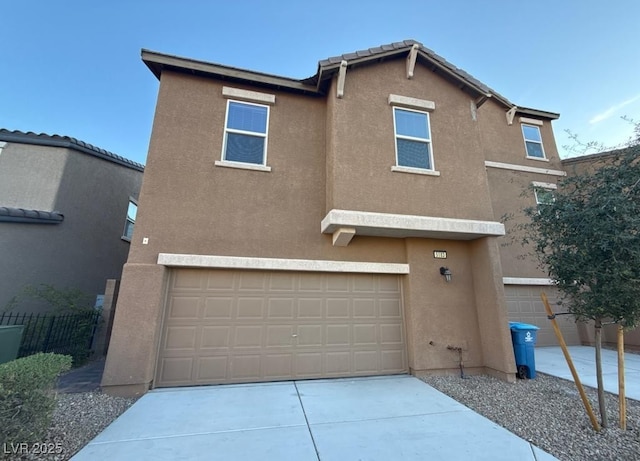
(446, 273)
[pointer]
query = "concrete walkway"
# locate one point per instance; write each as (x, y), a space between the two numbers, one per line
(84, 379)
(383, 418)
(551, 361)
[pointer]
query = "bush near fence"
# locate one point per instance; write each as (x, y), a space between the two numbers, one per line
(70, 334)
(27, 398)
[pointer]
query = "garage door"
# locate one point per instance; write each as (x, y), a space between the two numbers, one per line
(524, 305)
(226, 326)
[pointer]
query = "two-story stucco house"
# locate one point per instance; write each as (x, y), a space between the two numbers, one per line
(348, 224)
(67, 210)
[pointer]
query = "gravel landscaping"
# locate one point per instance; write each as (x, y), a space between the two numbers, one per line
(546, 411)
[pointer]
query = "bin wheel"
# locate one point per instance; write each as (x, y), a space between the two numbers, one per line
(522, 372)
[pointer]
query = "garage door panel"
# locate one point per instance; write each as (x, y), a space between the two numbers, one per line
(337, 363)
(364, 335)
(212, 369)
(338, 335)
(310, 335)
(365, 362)
(281, 308)
(218, 308)
(215, 337)
(525, 305)
(279, 335)
(251, 326)
(248, 336)
(181, 337)
(220, 281)
(390, 308)
(183, 307)
(391, 334)
(337, 309)
(250, 309)
(310, 309)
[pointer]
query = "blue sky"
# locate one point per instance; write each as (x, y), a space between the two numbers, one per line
(73, 67)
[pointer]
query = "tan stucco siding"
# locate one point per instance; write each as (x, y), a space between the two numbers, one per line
(362, 128)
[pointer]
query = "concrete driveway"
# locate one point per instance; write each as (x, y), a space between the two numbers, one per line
(550, 360)
(382, 418)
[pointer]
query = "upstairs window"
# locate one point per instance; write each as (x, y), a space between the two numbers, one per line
(413, 139)
(245, 134)
(533, 141)
(130, 221)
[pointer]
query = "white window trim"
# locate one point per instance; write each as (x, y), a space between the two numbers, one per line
(527, 281)
(242, 165)
(531, 121)
(246, 95)
(407, 169)
(411, 103)
(544, 185)
(233, 164)
(524, 140)
(126, 219)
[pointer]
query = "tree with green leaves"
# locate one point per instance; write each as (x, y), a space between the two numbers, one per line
(588, 239)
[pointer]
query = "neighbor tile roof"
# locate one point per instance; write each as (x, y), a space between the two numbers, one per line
(68, 142)
(20, 215)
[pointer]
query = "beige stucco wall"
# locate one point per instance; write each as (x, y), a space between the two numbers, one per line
(362, 132)
(327, 153)
(86, 248)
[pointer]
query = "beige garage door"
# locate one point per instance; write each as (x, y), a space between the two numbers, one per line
(524, 305)
(248, 326)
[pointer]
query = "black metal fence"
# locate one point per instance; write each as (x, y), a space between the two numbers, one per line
(60, 333)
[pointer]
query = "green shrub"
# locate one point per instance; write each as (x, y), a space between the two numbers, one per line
(27, 398)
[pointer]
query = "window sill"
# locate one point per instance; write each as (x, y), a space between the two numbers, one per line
(242, 166)
(125, 238)
(539, 159)
(407, 169)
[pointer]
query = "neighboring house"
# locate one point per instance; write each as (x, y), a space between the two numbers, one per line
(586, 164)
(347, 224)
(66, 213)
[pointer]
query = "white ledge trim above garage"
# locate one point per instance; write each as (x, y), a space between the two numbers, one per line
(404, 226)
(277, 264)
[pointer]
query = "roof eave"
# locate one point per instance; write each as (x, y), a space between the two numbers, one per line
(158, 62)
(538, 113)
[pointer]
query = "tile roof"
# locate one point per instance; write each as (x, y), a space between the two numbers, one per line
(68, 142)
(20, 215)
(318, 83)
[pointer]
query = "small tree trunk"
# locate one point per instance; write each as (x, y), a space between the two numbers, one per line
(601, 402)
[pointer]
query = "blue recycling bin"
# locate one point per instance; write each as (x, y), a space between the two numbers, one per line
(524, 336)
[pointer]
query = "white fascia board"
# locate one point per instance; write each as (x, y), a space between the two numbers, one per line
(527, 169)
(277, 264)
(246, 95)
(527, 281)
(404, 226)
(412, 103)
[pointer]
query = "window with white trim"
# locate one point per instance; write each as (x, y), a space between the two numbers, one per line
(544, 196)
(130, 222)
(245, 133)
(532, 141)
(413, 139)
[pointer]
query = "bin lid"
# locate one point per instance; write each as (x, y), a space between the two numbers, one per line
(522, 326)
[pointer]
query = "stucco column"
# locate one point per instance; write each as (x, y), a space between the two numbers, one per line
(491, 307)
(133, 348)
